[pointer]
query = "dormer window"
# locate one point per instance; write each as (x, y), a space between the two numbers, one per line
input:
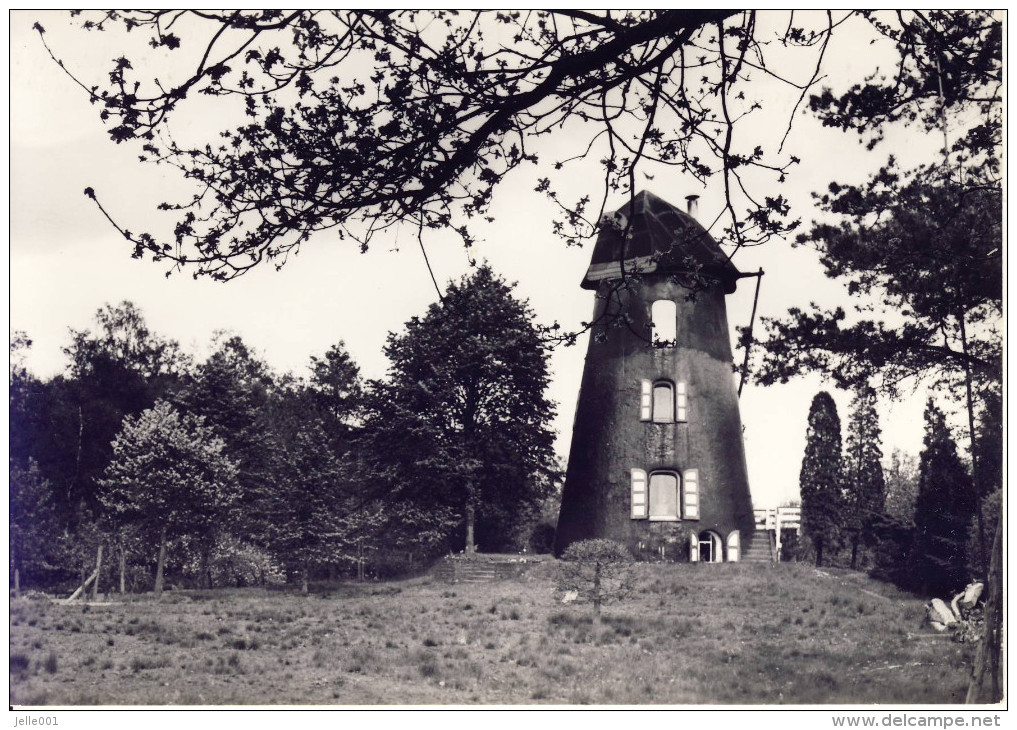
(664, 323)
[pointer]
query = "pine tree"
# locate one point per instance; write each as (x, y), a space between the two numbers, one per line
(821, 480)
(943, 510)
(865, 489)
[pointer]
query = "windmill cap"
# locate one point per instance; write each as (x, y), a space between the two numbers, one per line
(661, 239)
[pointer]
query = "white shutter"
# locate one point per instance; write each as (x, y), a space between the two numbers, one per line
(682, 411)
(639, 506)
(734, 541)
(690, 490)
(693, 548)
(645, 400)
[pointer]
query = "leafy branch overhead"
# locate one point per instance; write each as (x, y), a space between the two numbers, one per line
(357, 121)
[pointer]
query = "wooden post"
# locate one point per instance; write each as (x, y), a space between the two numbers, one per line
(98, 572)
(162, 560)
(776, 530)
(83, 586)
(470, 547)
(123, 569)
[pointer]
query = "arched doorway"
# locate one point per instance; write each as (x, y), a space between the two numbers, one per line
(711, 547)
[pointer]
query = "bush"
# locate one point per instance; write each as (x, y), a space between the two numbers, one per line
(594, 571)
(892, 553)
(233, 562)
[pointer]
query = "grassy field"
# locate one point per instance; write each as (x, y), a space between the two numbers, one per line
(717, 634)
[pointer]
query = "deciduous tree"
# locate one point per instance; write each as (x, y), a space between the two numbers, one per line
(901, 479)
(169, 474)
(359, 120)
(595, 571)
(462, 419)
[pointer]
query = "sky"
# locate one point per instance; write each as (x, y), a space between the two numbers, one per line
(66, 261)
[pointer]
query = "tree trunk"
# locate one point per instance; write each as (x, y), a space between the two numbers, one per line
(819, 553)
(17, 583)
(471, 548)
(159, 565)
(976, 477)
(98, 573)
(596, 591)
(304, 587)
(123, 570)
(987, 680)
(854, 551)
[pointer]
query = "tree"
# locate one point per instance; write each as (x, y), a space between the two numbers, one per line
(335, 389)
(316, 519)
(34, 528)
(117, 369)
(926, 258)
(359, 120)
(822, 477)
(233, 391)
(865, 489)
(317, 514)
(462, 420)
(169, 475)
(595, 571)
(943, 509)
(900, 476)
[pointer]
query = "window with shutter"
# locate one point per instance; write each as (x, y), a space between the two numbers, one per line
(663, 402)
(638, 482)
(682, 411)
(664, 496)
(693, 548)
(645, 400)
(691, 498)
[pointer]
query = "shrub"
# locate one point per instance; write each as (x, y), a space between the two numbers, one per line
(594, 571)
(232, 562)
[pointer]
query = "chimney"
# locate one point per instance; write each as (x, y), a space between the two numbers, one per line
(693, 205)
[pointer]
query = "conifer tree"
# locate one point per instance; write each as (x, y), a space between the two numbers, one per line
(865, 489)
(943, 510)
(821, 480)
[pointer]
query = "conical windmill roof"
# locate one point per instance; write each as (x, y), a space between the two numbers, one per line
(661, 239)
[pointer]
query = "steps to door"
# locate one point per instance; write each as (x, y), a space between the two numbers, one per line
(759, 548)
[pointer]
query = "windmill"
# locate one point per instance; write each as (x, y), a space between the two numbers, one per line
(657, 460)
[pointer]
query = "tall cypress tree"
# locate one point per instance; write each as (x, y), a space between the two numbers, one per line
(821, 481)
(943, 510)
(864, 486)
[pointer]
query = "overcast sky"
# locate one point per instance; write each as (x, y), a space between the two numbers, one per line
(66, 261)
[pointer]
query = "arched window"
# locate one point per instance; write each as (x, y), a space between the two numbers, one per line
(664, 496)
(663, 402)
(664, 323)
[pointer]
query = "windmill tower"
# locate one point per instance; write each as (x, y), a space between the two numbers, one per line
(657, 461)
